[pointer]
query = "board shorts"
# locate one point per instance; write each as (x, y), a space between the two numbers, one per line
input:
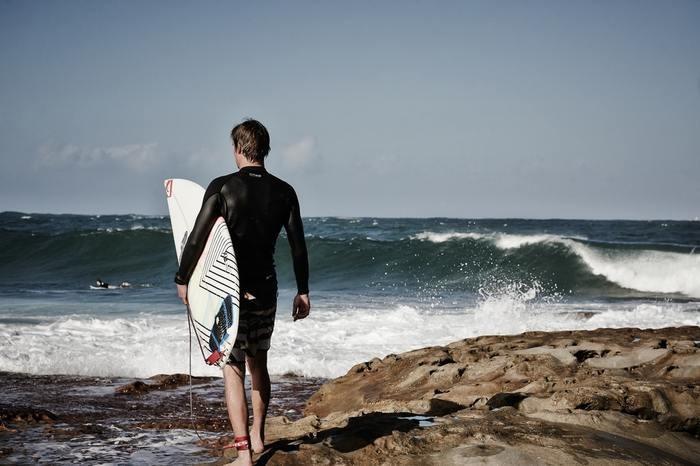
(255, 325)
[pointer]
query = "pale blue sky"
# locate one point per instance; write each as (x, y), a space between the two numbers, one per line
(462, 109)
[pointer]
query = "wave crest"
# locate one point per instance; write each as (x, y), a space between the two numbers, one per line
(641, 270)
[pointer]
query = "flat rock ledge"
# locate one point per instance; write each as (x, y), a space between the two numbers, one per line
(606, 396)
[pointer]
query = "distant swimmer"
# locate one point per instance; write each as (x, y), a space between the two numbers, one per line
(99, 284)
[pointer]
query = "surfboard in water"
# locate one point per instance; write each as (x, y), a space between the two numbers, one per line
(213, 290)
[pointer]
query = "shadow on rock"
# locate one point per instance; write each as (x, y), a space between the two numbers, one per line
(359, 432)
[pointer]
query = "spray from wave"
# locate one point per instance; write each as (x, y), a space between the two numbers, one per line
(641, 270)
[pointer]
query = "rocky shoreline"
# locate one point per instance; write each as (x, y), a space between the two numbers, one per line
(607, 396)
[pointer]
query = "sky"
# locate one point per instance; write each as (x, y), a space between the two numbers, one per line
(471, 109)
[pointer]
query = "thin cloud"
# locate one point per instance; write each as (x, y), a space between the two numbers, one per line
(301, 153)
(135, 157)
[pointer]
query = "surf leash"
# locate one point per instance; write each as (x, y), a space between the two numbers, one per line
(189, 328)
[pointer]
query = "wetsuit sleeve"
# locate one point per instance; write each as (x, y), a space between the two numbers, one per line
(295, 236)
(197, 239)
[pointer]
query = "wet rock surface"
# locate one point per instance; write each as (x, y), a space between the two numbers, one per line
(608, 396)
(58, 419)
(159, 382)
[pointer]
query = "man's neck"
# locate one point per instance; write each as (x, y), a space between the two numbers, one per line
(250, 164)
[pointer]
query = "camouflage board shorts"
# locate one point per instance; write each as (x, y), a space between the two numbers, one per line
(255, 326)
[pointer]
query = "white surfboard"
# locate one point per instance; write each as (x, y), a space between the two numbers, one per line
(213, 290)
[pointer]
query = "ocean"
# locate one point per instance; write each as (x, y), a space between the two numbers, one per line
(378, 286)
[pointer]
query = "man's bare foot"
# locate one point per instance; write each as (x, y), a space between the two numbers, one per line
(257, 443)
(244, 458)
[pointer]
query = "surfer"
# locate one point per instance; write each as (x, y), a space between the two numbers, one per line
(101, 284)
(255, 205)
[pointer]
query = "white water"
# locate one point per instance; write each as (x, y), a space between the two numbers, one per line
(648, 271)
(326, 344)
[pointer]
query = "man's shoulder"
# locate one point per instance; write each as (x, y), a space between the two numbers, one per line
(219, 181)
(279, 181)
(285, 189)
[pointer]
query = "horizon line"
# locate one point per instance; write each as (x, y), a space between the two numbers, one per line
(696, 219)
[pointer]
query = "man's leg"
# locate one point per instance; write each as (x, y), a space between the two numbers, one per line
(260, 381)
(237, 406)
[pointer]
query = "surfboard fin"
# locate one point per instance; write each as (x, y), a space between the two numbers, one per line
(213, 358)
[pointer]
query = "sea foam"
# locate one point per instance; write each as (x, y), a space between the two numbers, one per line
(326, 344)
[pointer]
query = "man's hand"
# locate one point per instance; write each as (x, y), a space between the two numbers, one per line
(301, 306)
(182, 292)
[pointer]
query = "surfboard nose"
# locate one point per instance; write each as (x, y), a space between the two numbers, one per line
(168, 187)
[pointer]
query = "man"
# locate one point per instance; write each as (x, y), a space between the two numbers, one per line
(256, 205)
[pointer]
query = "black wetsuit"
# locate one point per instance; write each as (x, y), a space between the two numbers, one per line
(255, 205)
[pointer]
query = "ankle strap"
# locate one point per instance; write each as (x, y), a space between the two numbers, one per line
(242, 442)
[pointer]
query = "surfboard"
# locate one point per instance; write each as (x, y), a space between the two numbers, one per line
(213, 289)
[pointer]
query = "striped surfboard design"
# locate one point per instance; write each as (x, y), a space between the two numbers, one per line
(220, 276)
